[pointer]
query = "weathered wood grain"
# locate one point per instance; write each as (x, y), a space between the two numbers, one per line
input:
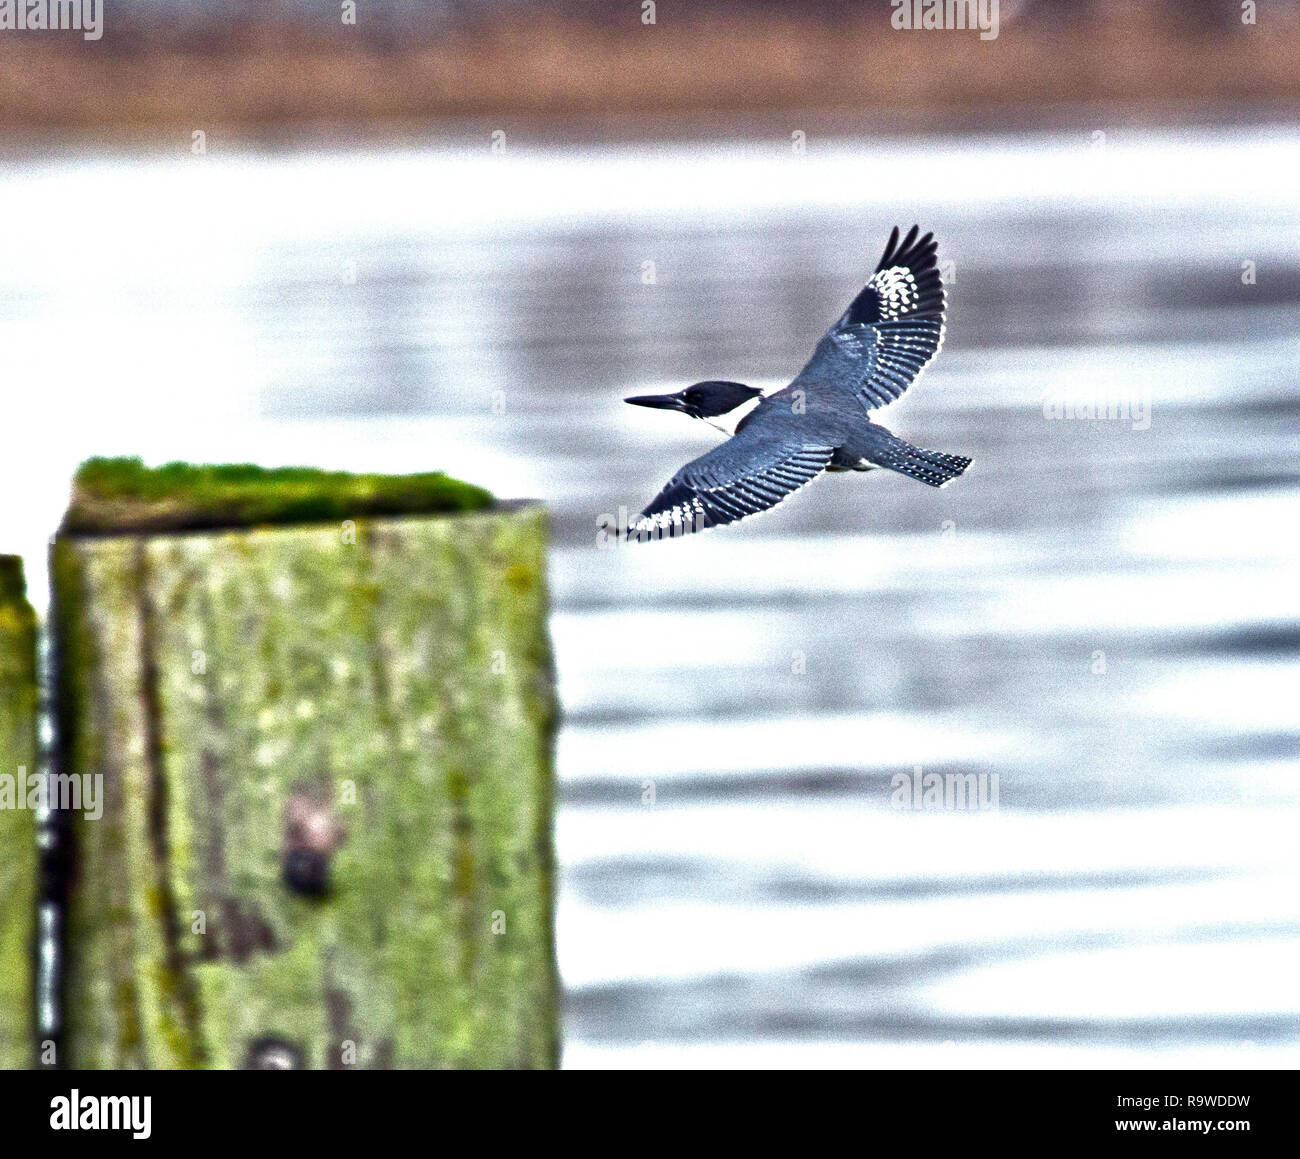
(390, 677)
(18, 871)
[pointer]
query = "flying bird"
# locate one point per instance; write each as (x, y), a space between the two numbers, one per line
(821, 421)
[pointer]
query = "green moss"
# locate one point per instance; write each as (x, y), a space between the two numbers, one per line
(123, 495)
(13, 589)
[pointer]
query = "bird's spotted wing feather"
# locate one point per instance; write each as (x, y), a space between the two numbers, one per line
(746, 474)
(891, 330)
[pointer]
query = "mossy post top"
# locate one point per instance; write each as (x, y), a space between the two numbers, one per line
(13, 587)
(124, 497)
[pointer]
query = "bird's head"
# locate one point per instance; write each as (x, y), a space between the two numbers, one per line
(703, 400)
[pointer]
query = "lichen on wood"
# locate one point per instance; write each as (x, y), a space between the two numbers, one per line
(18, 857)
(377, 697)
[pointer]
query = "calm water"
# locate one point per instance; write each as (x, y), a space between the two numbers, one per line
(1102, 614)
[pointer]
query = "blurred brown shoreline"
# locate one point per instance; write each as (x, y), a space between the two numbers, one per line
(531, 63)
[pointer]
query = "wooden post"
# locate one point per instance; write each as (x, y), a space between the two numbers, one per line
(326, 753)
(18, 770)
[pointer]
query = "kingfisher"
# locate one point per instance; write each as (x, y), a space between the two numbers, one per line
(821, 421)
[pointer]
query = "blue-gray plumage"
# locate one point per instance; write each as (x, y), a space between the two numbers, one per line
(820, 422)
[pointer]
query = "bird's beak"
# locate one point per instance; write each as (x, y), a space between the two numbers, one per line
(658, 401)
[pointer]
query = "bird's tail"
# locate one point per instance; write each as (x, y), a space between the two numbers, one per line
(933, 467)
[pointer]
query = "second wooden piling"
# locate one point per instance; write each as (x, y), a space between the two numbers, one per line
(18, 818)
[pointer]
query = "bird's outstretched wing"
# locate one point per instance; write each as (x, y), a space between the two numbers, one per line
(752, 471)
(891, 330)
